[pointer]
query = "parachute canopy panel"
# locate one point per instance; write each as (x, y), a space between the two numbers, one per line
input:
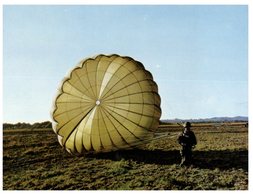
(107, 103)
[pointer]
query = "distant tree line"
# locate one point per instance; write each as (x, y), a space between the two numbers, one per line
(42, 125)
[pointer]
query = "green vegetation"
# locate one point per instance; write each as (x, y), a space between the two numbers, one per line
(34, 160)
(42, 125)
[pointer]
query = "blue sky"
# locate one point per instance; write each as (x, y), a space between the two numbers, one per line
(197, 54)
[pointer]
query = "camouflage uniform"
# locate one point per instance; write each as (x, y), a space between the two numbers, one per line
(187, 140)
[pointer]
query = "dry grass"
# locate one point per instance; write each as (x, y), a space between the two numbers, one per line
(35, 160)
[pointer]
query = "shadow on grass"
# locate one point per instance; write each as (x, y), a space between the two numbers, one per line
(222, 159)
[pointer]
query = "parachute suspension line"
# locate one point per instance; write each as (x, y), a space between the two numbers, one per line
(164, 134)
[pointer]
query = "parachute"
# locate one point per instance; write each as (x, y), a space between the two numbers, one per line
(107, 103)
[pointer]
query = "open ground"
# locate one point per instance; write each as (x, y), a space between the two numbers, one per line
(34, 160)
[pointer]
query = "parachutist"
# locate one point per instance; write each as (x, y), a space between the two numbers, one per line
(187, 140)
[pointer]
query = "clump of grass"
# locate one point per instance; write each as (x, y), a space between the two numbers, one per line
(119, 167)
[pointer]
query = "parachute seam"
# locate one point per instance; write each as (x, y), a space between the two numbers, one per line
(70, 95)
(86, 64)
(75, 125)
(131, 111)
(78, 89)
(70, 110)
(110, 61)
(124, 128)
(128, 120)
(130, 72)
(101, 145)
(110, 72)
(108, 131)
(140, 103)
(128, 86)
(96, 79)
(146, 92)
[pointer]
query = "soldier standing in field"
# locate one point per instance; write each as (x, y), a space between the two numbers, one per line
(187, 140)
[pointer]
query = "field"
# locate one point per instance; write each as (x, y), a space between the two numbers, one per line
(33, 160)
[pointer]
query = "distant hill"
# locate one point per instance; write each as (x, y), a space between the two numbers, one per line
(213, 119)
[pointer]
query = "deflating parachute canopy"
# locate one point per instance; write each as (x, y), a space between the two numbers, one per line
(107, 103)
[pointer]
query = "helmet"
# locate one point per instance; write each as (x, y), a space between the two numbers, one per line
(187, 124)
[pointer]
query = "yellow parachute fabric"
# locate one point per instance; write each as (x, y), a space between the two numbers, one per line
(107, 103)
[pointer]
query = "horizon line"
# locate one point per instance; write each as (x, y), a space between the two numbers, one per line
(159, 119)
